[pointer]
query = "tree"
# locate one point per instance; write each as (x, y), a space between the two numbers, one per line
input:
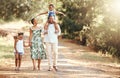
(22, 9)
(96, 20)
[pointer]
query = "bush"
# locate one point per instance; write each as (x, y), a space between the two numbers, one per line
(3, 33)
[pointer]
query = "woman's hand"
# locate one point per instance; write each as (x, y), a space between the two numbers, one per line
(30, 43)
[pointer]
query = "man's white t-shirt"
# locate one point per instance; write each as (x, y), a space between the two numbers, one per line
(52, 37)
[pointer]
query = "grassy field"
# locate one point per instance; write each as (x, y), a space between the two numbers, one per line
(6, 48)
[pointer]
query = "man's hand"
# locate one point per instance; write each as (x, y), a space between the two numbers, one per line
(45, 32)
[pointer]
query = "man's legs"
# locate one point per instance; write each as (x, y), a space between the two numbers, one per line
(55, 55)
(49, 54)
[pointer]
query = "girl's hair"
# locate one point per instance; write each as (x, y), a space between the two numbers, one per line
(32, 20)
(20, 33)
(51, 5)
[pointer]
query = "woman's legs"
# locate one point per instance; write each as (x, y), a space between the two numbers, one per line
(39, 61)
(34, 64)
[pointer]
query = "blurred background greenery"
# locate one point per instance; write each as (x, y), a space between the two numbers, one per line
(94, 23)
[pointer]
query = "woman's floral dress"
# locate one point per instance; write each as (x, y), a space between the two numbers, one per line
(37, 47)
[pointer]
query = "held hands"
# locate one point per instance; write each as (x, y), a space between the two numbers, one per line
(45, 32)
(30, 43)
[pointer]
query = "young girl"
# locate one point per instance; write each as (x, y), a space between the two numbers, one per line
(19, 49)
(51, 12)
(36, 44)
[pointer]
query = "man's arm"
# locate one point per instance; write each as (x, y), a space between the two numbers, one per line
(30, 37)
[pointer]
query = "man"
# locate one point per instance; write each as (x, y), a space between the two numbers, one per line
(51, 41)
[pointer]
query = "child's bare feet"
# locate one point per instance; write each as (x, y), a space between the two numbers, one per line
(17, 69)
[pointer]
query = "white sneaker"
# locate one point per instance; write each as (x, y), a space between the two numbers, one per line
(50, 69)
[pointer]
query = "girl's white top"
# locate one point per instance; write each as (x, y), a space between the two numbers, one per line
(20, 46)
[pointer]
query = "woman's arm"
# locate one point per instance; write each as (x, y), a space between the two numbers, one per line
(30, 37)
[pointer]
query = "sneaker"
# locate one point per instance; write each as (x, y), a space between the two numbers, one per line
(50, 69)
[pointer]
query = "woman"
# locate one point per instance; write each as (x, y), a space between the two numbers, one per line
(36, 44)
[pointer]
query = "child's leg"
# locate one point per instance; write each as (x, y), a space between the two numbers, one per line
(16, 60)
(34, 64)
(46, 27)
(20, 59)
(56, 27)
(39, 61)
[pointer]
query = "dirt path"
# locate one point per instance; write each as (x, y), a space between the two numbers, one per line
(74, 61)
(69, 66)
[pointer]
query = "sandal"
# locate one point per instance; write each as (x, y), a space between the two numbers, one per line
(55, 68)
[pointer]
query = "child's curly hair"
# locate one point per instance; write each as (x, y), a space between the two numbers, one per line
(51, 4)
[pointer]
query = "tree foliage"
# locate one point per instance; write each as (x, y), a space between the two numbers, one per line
(22, 9)
(95, 22)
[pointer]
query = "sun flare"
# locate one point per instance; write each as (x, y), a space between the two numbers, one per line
(113, 7)
(116, 6)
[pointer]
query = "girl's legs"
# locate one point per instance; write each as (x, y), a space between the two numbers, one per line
(34, 64)
(20, 59)
(16, 60)
(39, 61)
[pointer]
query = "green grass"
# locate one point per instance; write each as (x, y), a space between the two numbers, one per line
(6, 49)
